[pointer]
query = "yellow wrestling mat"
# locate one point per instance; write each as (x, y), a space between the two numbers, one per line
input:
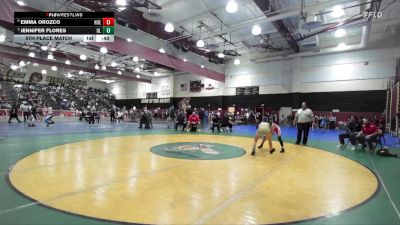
(192, 179)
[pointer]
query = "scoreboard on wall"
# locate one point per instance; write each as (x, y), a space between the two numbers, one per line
(63, 27)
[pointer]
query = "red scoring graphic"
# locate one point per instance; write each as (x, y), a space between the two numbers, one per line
(108, 21)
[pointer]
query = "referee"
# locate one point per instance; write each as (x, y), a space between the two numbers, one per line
(303, 118)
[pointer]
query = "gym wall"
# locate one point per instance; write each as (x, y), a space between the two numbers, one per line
(352, 101)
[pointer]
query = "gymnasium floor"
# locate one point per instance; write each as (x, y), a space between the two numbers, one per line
(113, 173)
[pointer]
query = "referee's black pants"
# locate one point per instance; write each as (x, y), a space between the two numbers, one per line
(302, 130)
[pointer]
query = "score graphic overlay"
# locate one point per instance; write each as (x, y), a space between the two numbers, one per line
(63, 27)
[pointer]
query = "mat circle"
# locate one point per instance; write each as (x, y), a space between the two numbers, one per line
(197, 150)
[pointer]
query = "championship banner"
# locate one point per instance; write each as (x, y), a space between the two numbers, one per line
(12, 74)
(63, 80)
(156, 101)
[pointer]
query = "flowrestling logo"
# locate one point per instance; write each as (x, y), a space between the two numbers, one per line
(198, 150)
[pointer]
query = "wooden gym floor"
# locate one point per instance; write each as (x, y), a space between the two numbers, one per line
(108, 174)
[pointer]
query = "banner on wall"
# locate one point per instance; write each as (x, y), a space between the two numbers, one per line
(156, 101)
(254, 90)
(165, 90)
(195, 86)
(64, 80)
(151, 95)
(12, 74)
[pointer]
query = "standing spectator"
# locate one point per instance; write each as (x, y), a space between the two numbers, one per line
(181, 120)
(25, 110)
(303, 119)
(112, 115)
(14, 113)
(202, 116)
(332, 122)
(170, 116)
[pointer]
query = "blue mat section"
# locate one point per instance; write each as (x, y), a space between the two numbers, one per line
(76, 127)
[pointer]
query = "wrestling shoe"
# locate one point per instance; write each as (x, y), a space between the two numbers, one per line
(272, 151)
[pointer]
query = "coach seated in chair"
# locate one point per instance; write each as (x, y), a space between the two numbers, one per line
(368, 134)
(194, 121)
(146, 120)
(180, 120)
(226, 122)
(352, 129)
(216, 122)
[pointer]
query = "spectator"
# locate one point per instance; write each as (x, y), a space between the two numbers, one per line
(352, 129)
(14, 113)
(368, 134)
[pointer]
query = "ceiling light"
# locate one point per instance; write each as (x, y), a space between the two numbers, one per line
(21, 3)
(200, 43)
(340, 33)
(44, 48)
(138, 76)
(52, 49)
(54, 68)
(342, 45)
(67, 62)
(202, 66)
(135, 59)
(185, 60)
(221, 55)
(113, 64)
(137, 69)
(35, 64)
(2, 38)
(96, 66)
(121, 2)
(31, 54)
(69, 75)
(256, 30)
(44, 71)
(337, 11)
(236, 61)
(27, 63)
(119, 72)
(169, 27)
(50, 56)
(103, 67)
(231, 7)
(156, 73)
(141, 65)
(161, 50)
(22, 63)
(83, 57)
(14, 67)
(129, 40)
(103, 50)
(80, 72)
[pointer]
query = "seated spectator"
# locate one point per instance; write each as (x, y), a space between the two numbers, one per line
(368, 134)
(194, 121)
(146, 120)
(216, 122)
(352, 129)
(225, 123)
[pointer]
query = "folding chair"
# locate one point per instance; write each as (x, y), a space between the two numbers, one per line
(378, 141)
